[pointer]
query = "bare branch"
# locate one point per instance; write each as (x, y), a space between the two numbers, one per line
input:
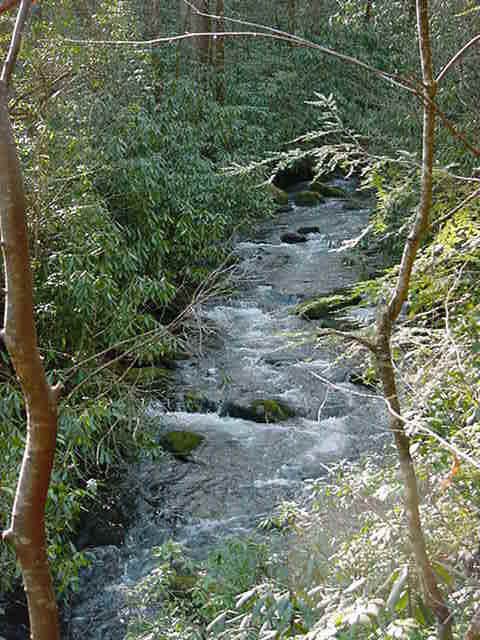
(269, 32)
(352, 337)
(338, 387)
(16, 41)
(458, 56)
(453, 211)
(420, 427)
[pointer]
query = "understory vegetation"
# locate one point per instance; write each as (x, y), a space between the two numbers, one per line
(136, 194)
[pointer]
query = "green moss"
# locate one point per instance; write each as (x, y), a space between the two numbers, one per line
(326, 305)
(181, 443)
(271, 410)
(279, 196)
(326, 190)
(307, 198)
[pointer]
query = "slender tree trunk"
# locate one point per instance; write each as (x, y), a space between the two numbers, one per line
(183, 26)
(201, 24)
(197, 48)
(220, 54)
(151, 18)
(368, 11)
(473, 632)
(27, 527)
(292, 16)
(385, 320)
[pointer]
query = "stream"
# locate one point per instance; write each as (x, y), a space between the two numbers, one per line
(264, 407)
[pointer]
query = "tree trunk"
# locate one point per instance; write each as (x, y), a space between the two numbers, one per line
(368, 11)
(195, 49)
(292, 17)
(201, 24)
(220, 54)
(151, 18)
(385, 321)
(27, 528)
(183, 26)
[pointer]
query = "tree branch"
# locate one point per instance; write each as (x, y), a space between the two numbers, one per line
(458, 56)
(364, 342)
(15, 41)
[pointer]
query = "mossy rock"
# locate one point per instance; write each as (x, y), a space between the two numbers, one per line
(326, 190)
(195, 403)
(324, 306)
(271, 410)
(279, 196)
(263, 410)
(180, 443)
(307, 198)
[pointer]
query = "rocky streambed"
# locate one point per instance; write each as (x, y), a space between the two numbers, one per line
(263, 408)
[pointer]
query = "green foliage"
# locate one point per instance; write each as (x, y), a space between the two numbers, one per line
(96, 438)
(129, 210)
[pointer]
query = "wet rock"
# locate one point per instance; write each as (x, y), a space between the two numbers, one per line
(291, 237)
(301, 169)
(284, 209)
(279, 196)
(324, 306)
(180, 443)
(94, 602)
(326, 190)
(197, 403)
(307, 198)
(307, 230)
(263, 411)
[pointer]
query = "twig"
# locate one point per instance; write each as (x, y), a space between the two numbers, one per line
(456, 58)
(368, 344)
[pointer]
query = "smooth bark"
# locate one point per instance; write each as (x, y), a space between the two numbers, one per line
(27, 528)
(385, 321)
(220, 53)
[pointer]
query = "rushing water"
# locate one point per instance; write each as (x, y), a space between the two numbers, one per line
(244, 467)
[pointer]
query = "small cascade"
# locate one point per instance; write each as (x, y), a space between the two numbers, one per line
(259, 413)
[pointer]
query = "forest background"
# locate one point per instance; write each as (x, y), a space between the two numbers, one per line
(123, 151)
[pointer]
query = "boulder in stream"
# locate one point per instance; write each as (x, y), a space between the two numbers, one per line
(307, 198)
(307, 230)
(180, 443)
(326, 190)
(291, 237)
(265, 410)
(324, 306)
(279, 196)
